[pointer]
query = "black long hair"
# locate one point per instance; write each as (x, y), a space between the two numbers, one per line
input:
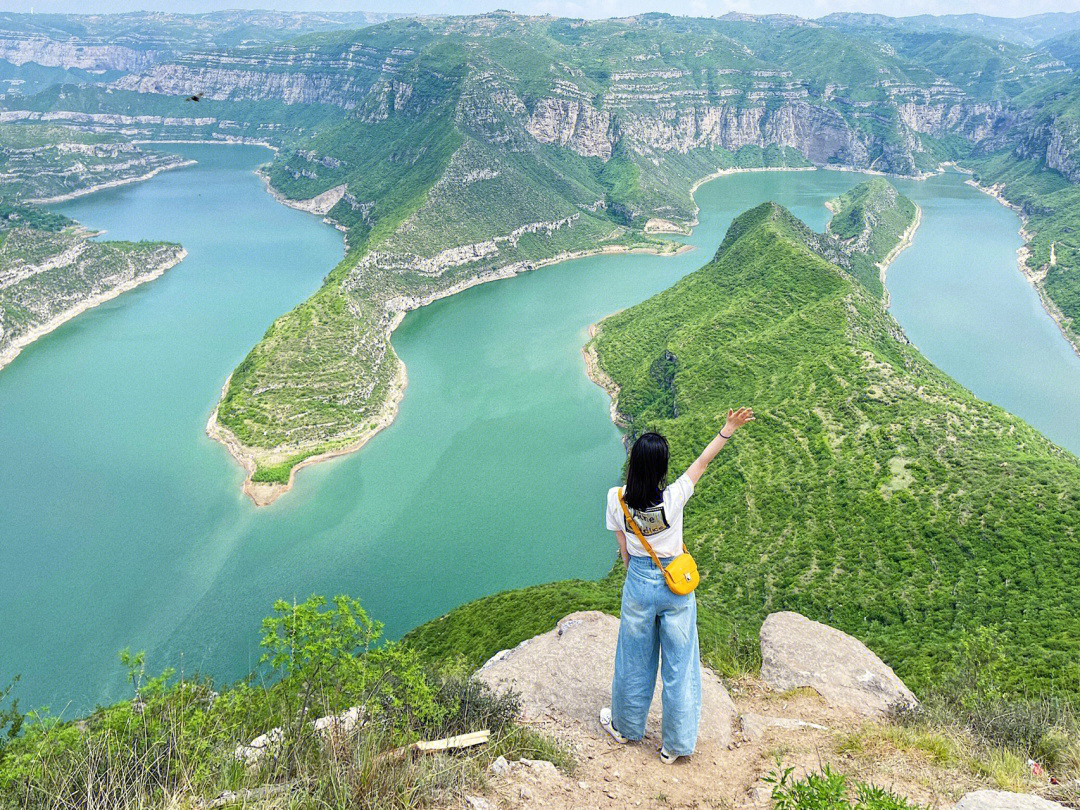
(646, 474)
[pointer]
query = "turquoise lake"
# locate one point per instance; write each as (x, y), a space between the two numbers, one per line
(123, 525)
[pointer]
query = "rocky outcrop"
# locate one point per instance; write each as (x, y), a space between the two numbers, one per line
(235, 84)
(73, 54)
(797, 652)
(566, 673)
(572, 123)
(1003, 800)
(818, 133)
(319, 204)
(1056, 145)
(49, 278)
(462, 254)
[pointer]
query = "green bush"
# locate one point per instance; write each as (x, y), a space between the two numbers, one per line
(829, 790)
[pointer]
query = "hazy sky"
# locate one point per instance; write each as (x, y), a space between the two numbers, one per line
(570, 8)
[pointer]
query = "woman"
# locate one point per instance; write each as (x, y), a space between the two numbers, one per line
(655, 621)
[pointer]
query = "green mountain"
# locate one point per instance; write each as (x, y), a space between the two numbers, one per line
(455, 150)
(872, 493)
(40, 50)
(873, 221)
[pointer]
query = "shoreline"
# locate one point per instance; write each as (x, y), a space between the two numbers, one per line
(264, 493)
(15, 349)
(736, 170)
(600, 377)
(906, 238)
(309, 206)
(125, 181)
(1034, 277)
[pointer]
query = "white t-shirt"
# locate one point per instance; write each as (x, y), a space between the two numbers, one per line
(661, 524)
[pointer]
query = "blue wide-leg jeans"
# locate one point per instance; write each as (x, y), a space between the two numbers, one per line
(657, 626)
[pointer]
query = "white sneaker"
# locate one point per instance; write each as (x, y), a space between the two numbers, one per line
(666, 758)
(605, 723)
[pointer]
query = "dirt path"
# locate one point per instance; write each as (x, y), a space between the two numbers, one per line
(798, 728)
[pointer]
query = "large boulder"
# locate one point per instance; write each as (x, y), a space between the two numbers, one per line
(1003, 800)
(797, 652)
(565, 674)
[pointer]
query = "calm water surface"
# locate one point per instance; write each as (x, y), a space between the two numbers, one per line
(122, 524)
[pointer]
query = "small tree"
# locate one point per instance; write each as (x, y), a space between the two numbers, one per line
(10, 719)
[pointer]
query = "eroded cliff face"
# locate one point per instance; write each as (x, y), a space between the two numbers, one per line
(73, 54)
(232, 84)
(47, 278)
(1056, 144)
(646, 111)
(573, 123)
(287, 74)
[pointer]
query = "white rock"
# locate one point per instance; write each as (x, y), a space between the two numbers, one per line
(1003, 800)
(797, 652)
(263, 745)
(754, 726)
(541, 768)
(339, 723)
(500, 767)
(566, 673)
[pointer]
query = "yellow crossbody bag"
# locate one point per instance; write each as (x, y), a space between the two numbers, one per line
(681, 573)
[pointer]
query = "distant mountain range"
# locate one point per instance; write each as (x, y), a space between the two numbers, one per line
(452, 150)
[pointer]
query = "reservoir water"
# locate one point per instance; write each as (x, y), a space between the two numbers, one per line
(123, 525)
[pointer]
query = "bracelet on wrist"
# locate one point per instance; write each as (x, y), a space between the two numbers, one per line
(725, 437)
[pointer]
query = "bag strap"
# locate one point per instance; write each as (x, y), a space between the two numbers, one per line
(637, 532)
(640, 536)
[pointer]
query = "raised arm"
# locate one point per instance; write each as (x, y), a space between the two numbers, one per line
(735, 420)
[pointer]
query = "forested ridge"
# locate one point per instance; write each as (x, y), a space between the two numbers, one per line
(873, 493)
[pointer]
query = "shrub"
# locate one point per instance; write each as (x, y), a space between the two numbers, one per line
(828, 790)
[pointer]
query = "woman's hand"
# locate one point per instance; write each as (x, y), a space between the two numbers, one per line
(736, 419)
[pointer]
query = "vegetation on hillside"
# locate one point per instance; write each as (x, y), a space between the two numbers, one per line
(175, 742)
(455, 149)
(470, 142)
(46, 275)
(49, 266)
(873, 493)
(42, 161)
(869, 220)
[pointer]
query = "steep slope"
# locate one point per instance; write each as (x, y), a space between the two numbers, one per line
(42, 163)
(48, 277)
(872, 493)
(479, 147)
(38, 50)
(1025, 31)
